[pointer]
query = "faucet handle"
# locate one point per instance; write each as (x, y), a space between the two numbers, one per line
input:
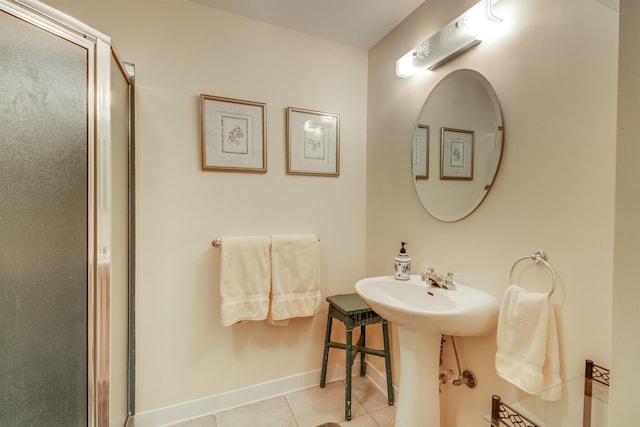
(448, 280)
(429, 272)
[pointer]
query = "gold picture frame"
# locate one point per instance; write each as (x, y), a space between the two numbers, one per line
(313, 142)
(233, 134)
(456, 154)
(420, 154)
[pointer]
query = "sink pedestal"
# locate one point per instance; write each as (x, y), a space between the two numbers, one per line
(419, 400)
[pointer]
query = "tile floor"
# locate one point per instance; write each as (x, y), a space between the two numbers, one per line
(309, 408)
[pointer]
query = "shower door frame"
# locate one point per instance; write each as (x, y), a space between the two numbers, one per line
(99, 54)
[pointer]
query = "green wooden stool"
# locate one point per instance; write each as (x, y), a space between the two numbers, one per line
(351, 310)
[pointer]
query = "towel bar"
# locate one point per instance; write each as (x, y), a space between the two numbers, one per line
(217, 242)
(540, 257)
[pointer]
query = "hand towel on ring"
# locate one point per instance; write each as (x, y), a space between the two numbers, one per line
(528, 352)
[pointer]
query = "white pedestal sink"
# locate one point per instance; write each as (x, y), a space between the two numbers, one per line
(422, 314)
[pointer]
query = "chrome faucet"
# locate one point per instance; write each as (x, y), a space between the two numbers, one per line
(434, 279)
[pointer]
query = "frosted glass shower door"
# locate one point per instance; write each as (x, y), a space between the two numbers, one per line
(43, 227)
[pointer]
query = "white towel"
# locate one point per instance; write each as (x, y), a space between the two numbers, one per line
(528, 354)
(295, 281)
(245, 278)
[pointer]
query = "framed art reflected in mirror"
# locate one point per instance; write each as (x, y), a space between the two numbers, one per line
(420, 153)
(456, 154)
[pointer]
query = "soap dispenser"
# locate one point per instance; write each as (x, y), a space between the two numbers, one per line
(402, 270)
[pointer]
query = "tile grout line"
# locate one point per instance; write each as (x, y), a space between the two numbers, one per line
(293, 414)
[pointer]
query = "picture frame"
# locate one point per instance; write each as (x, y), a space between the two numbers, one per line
(456, 154)
(420, 154)
(233, 134)
(313, 143)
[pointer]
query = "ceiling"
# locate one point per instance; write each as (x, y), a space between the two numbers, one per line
(359, 23)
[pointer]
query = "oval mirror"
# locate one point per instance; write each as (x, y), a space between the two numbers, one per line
(457, 145)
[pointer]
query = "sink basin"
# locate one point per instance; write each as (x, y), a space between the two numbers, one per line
(422, 314)
(414, 304)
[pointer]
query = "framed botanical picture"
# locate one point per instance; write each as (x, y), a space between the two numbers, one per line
(233, 135)
(420, 154)
(456, 154)
(313, 143)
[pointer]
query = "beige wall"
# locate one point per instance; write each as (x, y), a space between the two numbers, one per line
(554, 68)
(182, 49)
(626, 293)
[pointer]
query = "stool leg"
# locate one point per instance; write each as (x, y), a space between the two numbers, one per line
(363, 366)
(347, 399)
(325, 356)
(387, 362)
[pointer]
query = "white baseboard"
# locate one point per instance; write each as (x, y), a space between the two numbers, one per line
(255, 393)
(379, 379)
(232, 399)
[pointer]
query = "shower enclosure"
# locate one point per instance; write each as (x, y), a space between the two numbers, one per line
(66, 222)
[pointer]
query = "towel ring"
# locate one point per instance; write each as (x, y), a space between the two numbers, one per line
(541, 258)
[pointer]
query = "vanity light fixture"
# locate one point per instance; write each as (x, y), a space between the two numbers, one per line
(464, 32)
